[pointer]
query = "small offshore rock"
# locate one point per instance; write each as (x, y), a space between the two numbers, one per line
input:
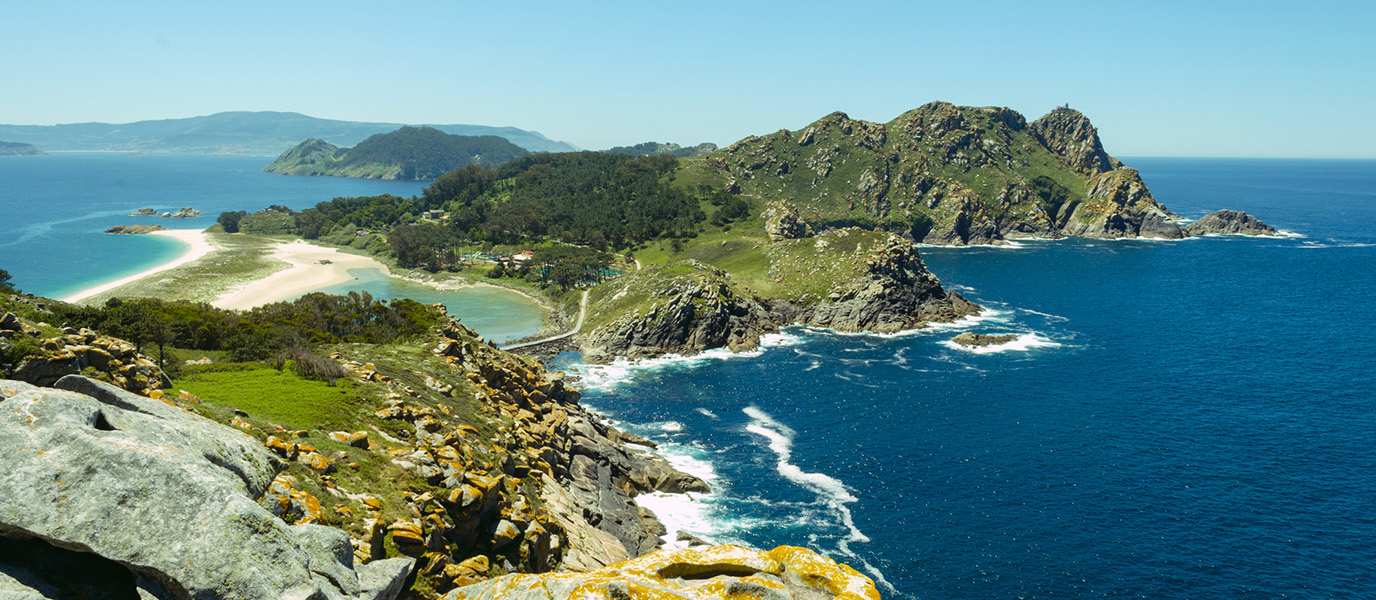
(979, 340)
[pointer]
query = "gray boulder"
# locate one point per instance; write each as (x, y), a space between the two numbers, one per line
(1229, 222)
(165, 497)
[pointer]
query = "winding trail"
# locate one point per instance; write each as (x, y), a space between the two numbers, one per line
(582, 312)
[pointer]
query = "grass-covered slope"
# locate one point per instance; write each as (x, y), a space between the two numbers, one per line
(409, 153)
(946, 174)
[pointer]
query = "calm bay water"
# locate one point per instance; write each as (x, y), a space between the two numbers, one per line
(1177, 419)
(54, 210)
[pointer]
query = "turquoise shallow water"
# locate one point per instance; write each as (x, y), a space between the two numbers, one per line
(498, 314)
(54, 210)
(1187, 419)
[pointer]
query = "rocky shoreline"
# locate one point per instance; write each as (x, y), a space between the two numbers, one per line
(546, 485)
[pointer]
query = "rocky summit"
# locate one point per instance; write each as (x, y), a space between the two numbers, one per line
(950, 175)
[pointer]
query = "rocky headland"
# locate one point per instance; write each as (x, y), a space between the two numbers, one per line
(847, 280)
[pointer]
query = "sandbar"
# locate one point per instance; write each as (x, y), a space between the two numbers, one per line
(197, 246)
(306, 274)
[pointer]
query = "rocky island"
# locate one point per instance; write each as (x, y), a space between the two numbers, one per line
(1230, 222)
(20, 149)
(134, 229)
(184, 213)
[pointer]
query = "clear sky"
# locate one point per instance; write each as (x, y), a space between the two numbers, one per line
(1196, 78)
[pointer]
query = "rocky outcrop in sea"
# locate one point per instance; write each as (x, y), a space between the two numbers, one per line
(1230, 222)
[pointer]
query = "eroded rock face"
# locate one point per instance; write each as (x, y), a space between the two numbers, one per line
(76, 351)
(898, 293)
(1229, 222)
(1069, 134)
(167, 496)
(1120, 206)
(702, 312)
(783, 573)
(781, 222)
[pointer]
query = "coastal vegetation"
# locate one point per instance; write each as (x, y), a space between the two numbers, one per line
(798, 222)
(409, 153)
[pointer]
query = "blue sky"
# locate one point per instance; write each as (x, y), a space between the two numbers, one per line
(1200, 78)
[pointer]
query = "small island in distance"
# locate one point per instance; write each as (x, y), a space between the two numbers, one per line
(20, 149)
(409, 153)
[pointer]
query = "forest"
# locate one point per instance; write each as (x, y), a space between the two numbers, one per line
(589, 200)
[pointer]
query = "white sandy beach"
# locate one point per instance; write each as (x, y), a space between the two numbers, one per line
(305, 275)
(197, 246)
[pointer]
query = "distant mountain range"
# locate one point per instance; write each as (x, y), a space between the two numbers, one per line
(239, 132)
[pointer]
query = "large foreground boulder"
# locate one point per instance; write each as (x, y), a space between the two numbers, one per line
(783, 573)
(161, 500)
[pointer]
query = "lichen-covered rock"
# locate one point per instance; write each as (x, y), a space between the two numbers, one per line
(167, 496)
(783, 573)
(76, 351)
(1229, 222)
(781, 222)
(1069, 134)
(1120, 206)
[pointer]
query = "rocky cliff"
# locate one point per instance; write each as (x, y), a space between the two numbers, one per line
(950, 175)
(845, 279)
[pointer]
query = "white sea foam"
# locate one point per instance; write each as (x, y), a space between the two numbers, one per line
(816, 364)
(695, 514)
(707, 413)
(830, 491)
(607, 376)
(1056, 318)
(1025, 342)
(966, 322)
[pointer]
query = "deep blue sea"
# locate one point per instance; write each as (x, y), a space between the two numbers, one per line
(54, 210)
(1186, 419)
(1191, 419)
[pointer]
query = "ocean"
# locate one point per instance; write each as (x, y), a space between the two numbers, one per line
(55, 209)
(1189, 419)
